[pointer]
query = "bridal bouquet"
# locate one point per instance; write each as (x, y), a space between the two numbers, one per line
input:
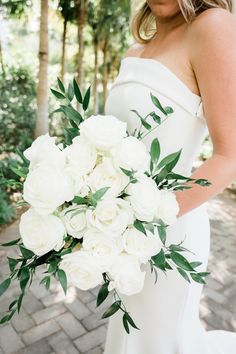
(99, 206)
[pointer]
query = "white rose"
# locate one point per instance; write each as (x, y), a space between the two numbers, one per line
(74, 218)
(79, 183)
(41, 233)
(81, 269)
(102, 131)
(144, 198)
(140, 245)
(44, 150)
(80, 156)
(127, 276)
(131, 154)
(111, 216)
(106, 175)
(168, 207)
(102, 247)
(46, 188)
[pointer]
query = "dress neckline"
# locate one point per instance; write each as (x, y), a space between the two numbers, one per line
(157, 62)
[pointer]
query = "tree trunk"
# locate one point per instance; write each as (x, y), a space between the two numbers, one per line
(63, 50)
(42, 90)
(104, 75)
(81, 18)
(95, 81)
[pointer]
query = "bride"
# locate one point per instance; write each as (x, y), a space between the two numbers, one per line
(185, 54)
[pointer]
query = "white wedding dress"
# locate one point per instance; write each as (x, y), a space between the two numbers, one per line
(167, 312)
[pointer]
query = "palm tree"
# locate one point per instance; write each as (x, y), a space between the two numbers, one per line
(82, 9)
(42, 90)
(68, 12)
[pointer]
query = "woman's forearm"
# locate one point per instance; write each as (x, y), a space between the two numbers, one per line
(219, 170)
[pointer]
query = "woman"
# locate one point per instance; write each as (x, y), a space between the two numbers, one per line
(188, 60)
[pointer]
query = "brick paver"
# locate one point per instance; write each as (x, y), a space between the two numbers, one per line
(53, 323)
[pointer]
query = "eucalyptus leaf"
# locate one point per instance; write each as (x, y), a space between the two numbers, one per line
(60, 85)
(183, 274)
(103, 293)
(157, 103)
(155, 150)
(112, 309)
(139, 226)
(62, 279)
(181, 261)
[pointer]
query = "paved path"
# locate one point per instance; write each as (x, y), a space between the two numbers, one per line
(52, 323)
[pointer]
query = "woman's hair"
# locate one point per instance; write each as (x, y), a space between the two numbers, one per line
(143, 23)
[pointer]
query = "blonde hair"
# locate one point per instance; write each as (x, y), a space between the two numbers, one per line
(144, 22)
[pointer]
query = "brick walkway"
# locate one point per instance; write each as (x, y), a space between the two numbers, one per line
(52, 323)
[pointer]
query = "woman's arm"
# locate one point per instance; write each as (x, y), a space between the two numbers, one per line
(213, 58)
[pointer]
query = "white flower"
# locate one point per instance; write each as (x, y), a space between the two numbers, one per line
(131, 154)
(44, 150)
(74, 218)
(80, 157)
(106, 175)
(79, 183)
(144, 198)
(46, 188)
(140, 245)
(102, 131)
(168, 207)
(103, 247)
(81, 269)
(111, 216)
(126, 273)
(41, 233)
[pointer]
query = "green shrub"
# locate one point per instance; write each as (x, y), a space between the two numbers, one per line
(17, 109)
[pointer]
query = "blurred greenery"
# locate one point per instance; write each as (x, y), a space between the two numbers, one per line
(17, 109)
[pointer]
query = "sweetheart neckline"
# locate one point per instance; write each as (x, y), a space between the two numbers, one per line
(167, 70)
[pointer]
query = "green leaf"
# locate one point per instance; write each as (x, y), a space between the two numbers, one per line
(146, 124)
(130, 320)
(195, 264)
(77, 91)
(155, 150)
(70, 134)
(127, 172)
(168, 109)
(70, 92)
(139, 226)
(98, 195)
(60, 85)
(19, 303)
(157, 103)
(203, 182)
(103, 293)
(19, 171)
(46, 281)
(204, 274)
(63, 279)
(79, 200)
(24, 278)
(162, 233)
(57, 94)
(4, 285)
(181, 261)
(160, 260)
(155, 117)
(11, 243)
(184, 274)
(12, 304)
(125, 323)
(27, 254)
(112, 309)
(86, 99)
(170, 160)
(71, 113)
(12, 263)
(197, 278)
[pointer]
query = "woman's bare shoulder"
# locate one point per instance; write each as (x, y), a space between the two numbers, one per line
(214, 20)
(134, 50)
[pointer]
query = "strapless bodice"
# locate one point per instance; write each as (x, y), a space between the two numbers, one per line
(186, 128)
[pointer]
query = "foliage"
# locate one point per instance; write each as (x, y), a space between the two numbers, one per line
(10, 183)
(17, 109)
